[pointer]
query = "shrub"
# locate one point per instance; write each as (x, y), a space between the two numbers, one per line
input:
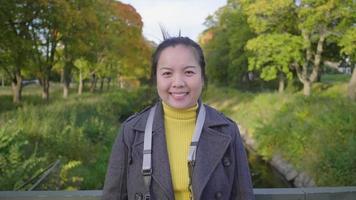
(316, 134)
(78, 131)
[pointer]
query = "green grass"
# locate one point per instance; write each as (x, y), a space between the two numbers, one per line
(79, 131)
(316, 134)
(335, 78)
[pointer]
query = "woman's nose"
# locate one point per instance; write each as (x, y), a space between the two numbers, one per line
(178, 82)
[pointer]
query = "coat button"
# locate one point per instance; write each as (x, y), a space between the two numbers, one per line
(138, 196)
(218, 195)
(226, 162)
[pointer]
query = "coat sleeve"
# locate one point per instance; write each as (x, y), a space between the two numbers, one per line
(115, 187)
(243, 188)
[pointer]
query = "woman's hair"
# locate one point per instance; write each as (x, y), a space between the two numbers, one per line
(172, 42)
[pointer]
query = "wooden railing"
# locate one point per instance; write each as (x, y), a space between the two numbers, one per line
(319, 193)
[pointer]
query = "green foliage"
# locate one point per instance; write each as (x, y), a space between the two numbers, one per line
(348, 43)
(319, 131)
(315, 134)
(273, 54)
(294, 37)
(267, 17)
(17, 159)
(226, 58)
(41, 38)
(79, 132)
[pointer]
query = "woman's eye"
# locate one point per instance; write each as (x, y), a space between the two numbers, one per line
(166, 73)
(189, 73)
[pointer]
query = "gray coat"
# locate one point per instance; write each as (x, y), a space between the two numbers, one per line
(221, 170)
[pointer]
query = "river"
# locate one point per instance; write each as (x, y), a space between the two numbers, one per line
(264, 175)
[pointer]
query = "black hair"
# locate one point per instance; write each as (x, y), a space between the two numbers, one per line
(172, 42)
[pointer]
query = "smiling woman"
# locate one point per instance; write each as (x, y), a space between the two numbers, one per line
(179, 77)
(149, 157)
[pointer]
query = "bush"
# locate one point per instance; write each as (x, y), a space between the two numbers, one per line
(78, 131)
(316, 134)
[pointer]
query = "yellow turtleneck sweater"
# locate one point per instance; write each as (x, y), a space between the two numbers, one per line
(179, 127)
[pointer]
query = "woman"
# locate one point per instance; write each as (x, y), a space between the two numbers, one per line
(155, 157)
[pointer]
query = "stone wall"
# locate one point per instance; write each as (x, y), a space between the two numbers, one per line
(297, 178)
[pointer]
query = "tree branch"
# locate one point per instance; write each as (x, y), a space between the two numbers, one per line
(331, 64)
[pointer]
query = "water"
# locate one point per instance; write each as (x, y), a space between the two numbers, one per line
(264, 175)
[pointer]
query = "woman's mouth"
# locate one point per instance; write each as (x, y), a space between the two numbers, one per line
(178, 95)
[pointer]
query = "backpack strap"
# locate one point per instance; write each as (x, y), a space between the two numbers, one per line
(193, 146)
(147, 149)
(147, 153)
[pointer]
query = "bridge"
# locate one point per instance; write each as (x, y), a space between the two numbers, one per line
(317, 193)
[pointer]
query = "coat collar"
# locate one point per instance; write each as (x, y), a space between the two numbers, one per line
(158, 121)
(211, 148)
(211, 119)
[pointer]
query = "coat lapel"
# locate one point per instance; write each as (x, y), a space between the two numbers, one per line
(160, 161)
(211, 148)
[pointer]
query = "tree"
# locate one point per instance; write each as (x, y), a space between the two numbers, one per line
(74, 32)
(226, 57)
(117, 45)
(313, 20)
(38, 35)
(15, 45)
(45, 38)
(83, 67)
(348, 44)
(273, 57)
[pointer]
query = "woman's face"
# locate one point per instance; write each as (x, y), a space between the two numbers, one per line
(179, 78)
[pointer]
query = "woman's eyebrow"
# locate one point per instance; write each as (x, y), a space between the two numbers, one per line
(169, 68)
(190, 66)
(165, 68)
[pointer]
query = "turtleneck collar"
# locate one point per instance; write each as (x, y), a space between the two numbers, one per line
(182, 114)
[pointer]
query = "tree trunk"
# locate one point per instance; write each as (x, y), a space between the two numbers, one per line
(307, 88)
(45, 89)
(352, 86)
(101, 84)
(16, 86)
(2, 81)
(317, 59)
(65, 89)
(281, 79)
(80, 87)
(109, 81)
(62, 76)
(66, 80)
(303, 74)
(93, 83)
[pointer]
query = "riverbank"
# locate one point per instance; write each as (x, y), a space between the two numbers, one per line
(78, 132)
(315, 134)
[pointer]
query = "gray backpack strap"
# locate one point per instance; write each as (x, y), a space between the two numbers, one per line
(147, 152)
(197, 132)
(193, 146)
(147, 149)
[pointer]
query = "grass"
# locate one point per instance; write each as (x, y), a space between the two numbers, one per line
(335, 78)
(316, 133)
(79, 131)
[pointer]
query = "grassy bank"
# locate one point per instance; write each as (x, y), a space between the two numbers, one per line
(79, 131)
(316, 134)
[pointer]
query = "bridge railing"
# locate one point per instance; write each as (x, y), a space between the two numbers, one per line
(318, 193)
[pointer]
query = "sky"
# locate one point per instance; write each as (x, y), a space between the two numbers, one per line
(187, 16)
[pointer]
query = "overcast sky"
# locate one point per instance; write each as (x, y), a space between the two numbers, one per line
(185, 15)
